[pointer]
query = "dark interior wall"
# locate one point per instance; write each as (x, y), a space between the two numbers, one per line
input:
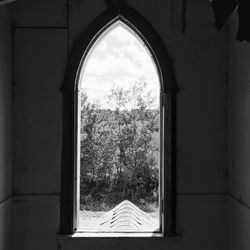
(239, 141)
(44, 31)
(5, 128)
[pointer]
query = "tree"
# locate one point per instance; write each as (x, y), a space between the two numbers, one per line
(120, 147)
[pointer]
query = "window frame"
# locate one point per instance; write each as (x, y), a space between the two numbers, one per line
(119, 11)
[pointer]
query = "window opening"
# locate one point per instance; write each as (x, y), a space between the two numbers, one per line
(119, 136)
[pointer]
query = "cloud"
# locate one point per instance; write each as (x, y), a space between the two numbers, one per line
(118, 59)
(102, 46)
(111, 65)
(122, 34)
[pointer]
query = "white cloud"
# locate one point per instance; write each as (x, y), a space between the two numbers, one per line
(102, 46)
(119, 59)
(111, 65)
(122, 34)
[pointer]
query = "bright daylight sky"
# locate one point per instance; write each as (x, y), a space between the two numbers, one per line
(119, 58)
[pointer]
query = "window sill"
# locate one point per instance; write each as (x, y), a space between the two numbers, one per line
(90, 235)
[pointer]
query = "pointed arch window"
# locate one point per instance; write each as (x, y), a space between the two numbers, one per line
(118, 175)
(119, 168)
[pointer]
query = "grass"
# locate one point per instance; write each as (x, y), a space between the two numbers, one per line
(103, 205)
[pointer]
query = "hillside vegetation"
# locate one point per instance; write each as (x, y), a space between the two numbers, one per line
(120, 150)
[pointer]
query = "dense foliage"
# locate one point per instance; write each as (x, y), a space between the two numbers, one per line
(119, 150)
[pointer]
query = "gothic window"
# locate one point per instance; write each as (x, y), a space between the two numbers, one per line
(118, 174)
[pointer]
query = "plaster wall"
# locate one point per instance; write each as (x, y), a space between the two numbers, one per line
(41, 47)
(5, 128)
(239, 141)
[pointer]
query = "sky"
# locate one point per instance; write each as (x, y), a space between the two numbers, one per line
(118, 59)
